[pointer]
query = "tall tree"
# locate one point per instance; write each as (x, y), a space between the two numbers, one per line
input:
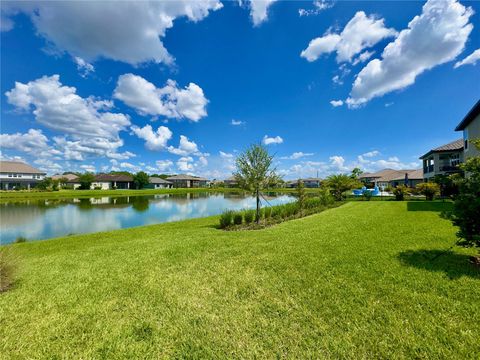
(86, 181)
(141, 179)
(255, 172)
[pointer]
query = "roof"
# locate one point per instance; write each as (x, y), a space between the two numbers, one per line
(412, 175)
(456, 145)
(391, 174)
(311, 179)
(18, 167)
(69, 177)
(158, 180)
(471, 115)
(231, 179)
(183, 177)
(114, 177)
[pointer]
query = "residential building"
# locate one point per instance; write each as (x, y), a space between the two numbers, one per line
(393, 178)
(187, 181)
(18, 175)
(159, 183)
(443, 160)
(71, 180)
(312, 182)
(231, 182)
(470, 125)
(113, 181)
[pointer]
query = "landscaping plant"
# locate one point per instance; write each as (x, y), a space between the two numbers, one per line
(400, 191)
(249, 215)
(341, 183)
(255, 172)
(429, 189)
(226, 219)
(237, 218)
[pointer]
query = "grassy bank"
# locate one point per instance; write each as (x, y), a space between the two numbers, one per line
(351, 282)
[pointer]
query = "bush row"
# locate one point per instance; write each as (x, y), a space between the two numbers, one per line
(274, 214)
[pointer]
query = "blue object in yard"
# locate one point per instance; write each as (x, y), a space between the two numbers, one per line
(358, 192)
(376, 191)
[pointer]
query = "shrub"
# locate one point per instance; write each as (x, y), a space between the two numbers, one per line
(339, 184)
(20, 239)
(276, 212)
(249, 216)
(400, 191)
(325, 196)
(268, 212)
(226, 219)
(97, 188)
(428, 189)
(8, 266)
(237, 218)
(367, 195)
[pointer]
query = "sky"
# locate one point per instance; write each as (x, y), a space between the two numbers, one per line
(185, 86)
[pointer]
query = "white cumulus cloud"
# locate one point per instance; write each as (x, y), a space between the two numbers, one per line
(154, 140)
(259, 10)
(164, 165)
(128, 31)
(361, 32)
(267, 140)
(434, 37)
(169, 101)
(336, 103)
(469, 60)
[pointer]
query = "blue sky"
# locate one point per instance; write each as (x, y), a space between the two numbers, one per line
(182, 87)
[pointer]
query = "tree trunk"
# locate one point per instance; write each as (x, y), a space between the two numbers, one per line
(257, 218)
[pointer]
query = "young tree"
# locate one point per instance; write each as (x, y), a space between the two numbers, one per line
(338, 184)
(255, 172)
(86, 181)
(141, 179)
(429, 189)
(400, 191)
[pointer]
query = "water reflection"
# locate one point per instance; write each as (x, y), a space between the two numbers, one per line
(47, 218)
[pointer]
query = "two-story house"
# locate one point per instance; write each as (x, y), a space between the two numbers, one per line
(470, 125)
(443, 160)
(18, 175)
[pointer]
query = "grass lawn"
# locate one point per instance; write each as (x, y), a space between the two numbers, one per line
(352, 282)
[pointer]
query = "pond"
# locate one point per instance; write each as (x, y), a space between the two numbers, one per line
(48, 218)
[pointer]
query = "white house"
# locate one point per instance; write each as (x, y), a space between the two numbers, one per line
(18, 175)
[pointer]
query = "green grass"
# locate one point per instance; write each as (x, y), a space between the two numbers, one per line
(353, 282)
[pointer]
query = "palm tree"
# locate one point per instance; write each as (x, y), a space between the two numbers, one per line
(254, 172)
(338, 184)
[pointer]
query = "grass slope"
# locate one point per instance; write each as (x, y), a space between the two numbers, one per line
(351, 282)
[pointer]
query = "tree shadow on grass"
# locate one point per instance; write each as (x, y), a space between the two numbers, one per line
(429, 206)
(454, 265)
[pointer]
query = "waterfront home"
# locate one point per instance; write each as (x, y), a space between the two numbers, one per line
(113, 181)
(18, 175)
(307, 182)
(393, 178)
(470, 125)
(187, 181)
(231, 182)
(443, 160)
(68, 180)
(159, 183)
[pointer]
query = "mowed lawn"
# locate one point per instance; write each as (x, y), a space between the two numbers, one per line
(356, 282)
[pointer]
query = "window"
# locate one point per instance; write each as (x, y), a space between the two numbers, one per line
(465, 139)
(455, 159)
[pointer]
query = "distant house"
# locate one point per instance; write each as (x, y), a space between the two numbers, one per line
(393, 178)
(71, 180)
(159, 183)
(16, 175)
(113, 181)
(470, 125)
(307, 182)
(443, 160)
(231, 182)
(187, 181)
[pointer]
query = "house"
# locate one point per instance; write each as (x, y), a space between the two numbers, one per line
(18, 175)
(231, 182)
(393, 178)
(70, 180)
(187, 181)
(312, 182)
(112, 181)
(470, 125)
(443, 160)
(159, 183)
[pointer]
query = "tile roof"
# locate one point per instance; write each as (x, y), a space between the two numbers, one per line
(183, 177)
(114, 177)
(69, 177)
(158, 180)
(18, 167)
(391, 174)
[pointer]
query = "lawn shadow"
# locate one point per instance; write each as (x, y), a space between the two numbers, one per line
(454, 265)
(438, 206)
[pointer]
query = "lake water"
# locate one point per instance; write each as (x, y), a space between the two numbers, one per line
(48, 218)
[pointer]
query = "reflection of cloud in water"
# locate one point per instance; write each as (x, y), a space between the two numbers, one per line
(40, 220)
